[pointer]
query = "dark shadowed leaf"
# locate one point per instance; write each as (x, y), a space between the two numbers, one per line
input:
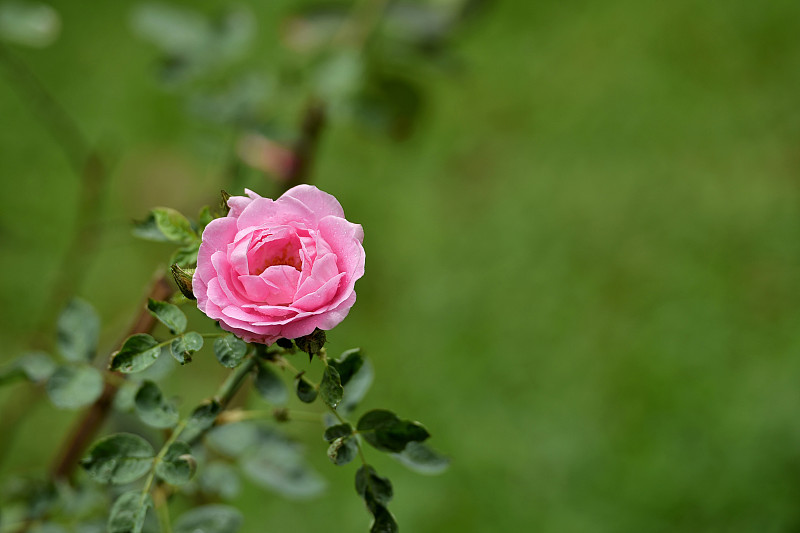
(312, 343)
(389, 105)
(178, 466)
(230, 350)
(422, 459)
(168, 314)
(342, 450)
(383, 520)
(119, 458)
(71, 387)
(153, 409)
(184, 346)
(270, 386)
(277, 463)
(138, 352)
(357, 387)
(340, 430)
(371, 486)
(215, 518)
(77, 331)
(386, 432)
(376, 491)
(330, 388)
(202, 418)
(128, 512)
(348, 364)
(305, 390)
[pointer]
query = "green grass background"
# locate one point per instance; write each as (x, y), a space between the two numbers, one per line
(583, 270)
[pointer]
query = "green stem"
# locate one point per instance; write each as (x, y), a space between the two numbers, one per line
(231, 385)
(160, 457)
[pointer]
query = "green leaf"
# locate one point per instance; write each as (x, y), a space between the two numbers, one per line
(371, 486)
(305, 390)
(29, 23)
(376, 491)
(204, 218)
(168, 314)
(235, 439)
(35, 366)
(186, 256)
(422, 459)
(128, 512)
(386, 432)
(177, 466)
(164, 224)
(120, 458)
(201, 419)
(278, 464)
(219, 478)
(340, 75)
(71, 387)
(270, 386)
(184, 346)
(342, 450)
(153, 409)
(230, 350)
(216, 518)
(384, 521)
(77, 331)
(337, 431)
(357, 387)
(312, 343)
(138, 352)
(330, 388)
(348, 364)
(124, 400)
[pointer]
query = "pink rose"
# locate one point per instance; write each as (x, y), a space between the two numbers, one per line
(282, 268)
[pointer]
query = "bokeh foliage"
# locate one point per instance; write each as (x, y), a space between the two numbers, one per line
(585, 259)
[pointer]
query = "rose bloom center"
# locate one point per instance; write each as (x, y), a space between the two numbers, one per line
(274, 250)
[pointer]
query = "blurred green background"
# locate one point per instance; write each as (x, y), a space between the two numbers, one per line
(582, 267)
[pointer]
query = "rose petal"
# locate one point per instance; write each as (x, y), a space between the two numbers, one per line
(321, 296)
(318, 202)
